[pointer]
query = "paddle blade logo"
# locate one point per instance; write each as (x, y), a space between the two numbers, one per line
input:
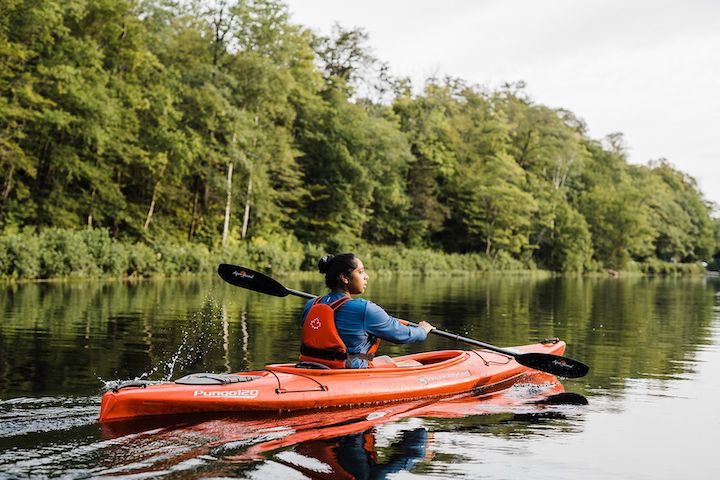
(243, 274)
(561, 363)
(315, 323)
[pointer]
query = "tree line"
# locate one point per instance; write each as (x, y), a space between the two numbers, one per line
(223, 122)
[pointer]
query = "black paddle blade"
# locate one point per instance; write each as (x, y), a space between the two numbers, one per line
(250, 279)
(555, 364)
(565, 398)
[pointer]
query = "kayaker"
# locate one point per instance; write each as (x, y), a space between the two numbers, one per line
(353, 338)
(355, 456)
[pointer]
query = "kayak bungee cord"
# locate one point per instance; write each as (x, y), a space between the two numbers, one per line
(490, 362)
(279, 390)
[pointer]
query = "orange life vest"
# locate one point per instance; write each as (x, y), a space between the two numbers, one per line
(321, 342)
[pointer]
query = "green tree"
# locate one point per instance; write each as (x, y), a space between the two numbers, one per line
(548, 145)
(490, 202)
(425, 122)
(73, 136)
(569, 244)
(685, 229)
(330, 135)
(618, 220)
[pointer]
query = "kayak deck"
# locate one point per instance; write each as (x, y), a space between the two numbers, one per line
(285, 387)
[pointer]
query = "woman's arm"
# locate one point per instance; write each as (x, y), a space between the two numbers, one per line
(382, 325)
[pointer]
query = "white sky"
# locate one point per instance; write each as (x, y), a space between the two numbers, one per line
(647, 68)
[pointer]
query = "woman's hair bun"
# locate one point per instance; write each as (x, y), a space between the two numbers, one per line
(324, 263)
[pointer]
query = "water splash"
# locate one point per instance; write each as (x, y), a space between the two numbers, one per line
(201, 338)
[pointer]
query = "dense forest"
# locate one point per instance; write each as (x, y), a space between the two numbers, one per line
(222, 123)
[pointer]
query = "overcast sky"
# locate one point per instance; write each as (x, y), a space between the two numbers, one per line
(647, 68)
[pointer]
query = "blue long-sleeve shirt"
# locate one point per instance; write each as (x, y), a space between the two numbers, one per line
(360, 322)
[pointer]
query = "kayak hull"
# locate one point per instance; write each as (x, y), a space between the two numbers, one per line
(284, 387)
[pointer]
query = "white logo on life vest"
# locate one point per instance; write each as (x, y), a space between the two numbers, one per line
(315, 323)
(227, 393)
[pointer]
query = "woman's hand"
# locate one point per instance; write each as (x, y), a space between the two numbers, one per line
(426, 326)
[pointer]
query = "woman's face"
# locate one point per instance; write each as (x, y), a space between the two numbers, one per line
(357, 281)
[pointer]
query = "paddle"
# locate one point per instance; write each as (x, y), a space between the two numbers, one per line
(555, 364)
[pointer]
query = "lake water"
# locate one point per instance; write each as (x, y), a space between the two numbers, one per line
(653, 346)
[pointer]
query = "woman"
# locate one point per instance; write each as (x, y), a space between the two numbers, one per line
(342, 332)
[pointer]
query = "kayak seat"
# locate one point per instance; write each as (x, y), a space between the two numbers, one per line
(312, 366)
(408, 364)
(385, 361)
(214, 379)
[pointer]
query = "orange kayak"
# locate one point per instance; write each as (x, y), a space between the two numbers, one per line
(282, 387)
(315, 434)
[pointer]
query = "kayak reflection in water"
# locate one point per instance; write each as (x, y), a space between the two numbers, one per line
(354, 456)
(344, 332)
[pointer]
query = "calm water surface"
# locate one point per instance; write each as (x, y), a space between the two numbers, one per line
(653, 389)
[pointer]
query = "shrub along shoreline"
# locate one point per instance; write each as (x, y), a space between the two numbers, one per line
(91, 253)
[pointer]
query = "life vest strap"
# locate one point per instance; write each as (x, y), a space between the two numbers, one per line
(340, 301)
(334, 304)
(332, 354)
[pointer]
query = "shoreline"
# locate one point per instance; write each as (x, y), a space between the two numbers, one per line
(312, 275)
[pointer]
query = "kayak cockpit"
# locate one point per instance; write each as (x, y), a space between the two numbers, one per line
(419, 361)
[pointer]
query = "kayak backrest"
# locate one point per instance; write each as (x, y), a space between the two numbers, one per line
(312, 366)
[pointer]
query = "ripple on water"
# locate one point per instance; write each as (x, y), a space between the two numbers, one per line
(23, 416)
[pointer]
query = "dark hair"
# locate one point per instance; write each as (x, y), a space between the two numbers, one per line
(335, 265)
